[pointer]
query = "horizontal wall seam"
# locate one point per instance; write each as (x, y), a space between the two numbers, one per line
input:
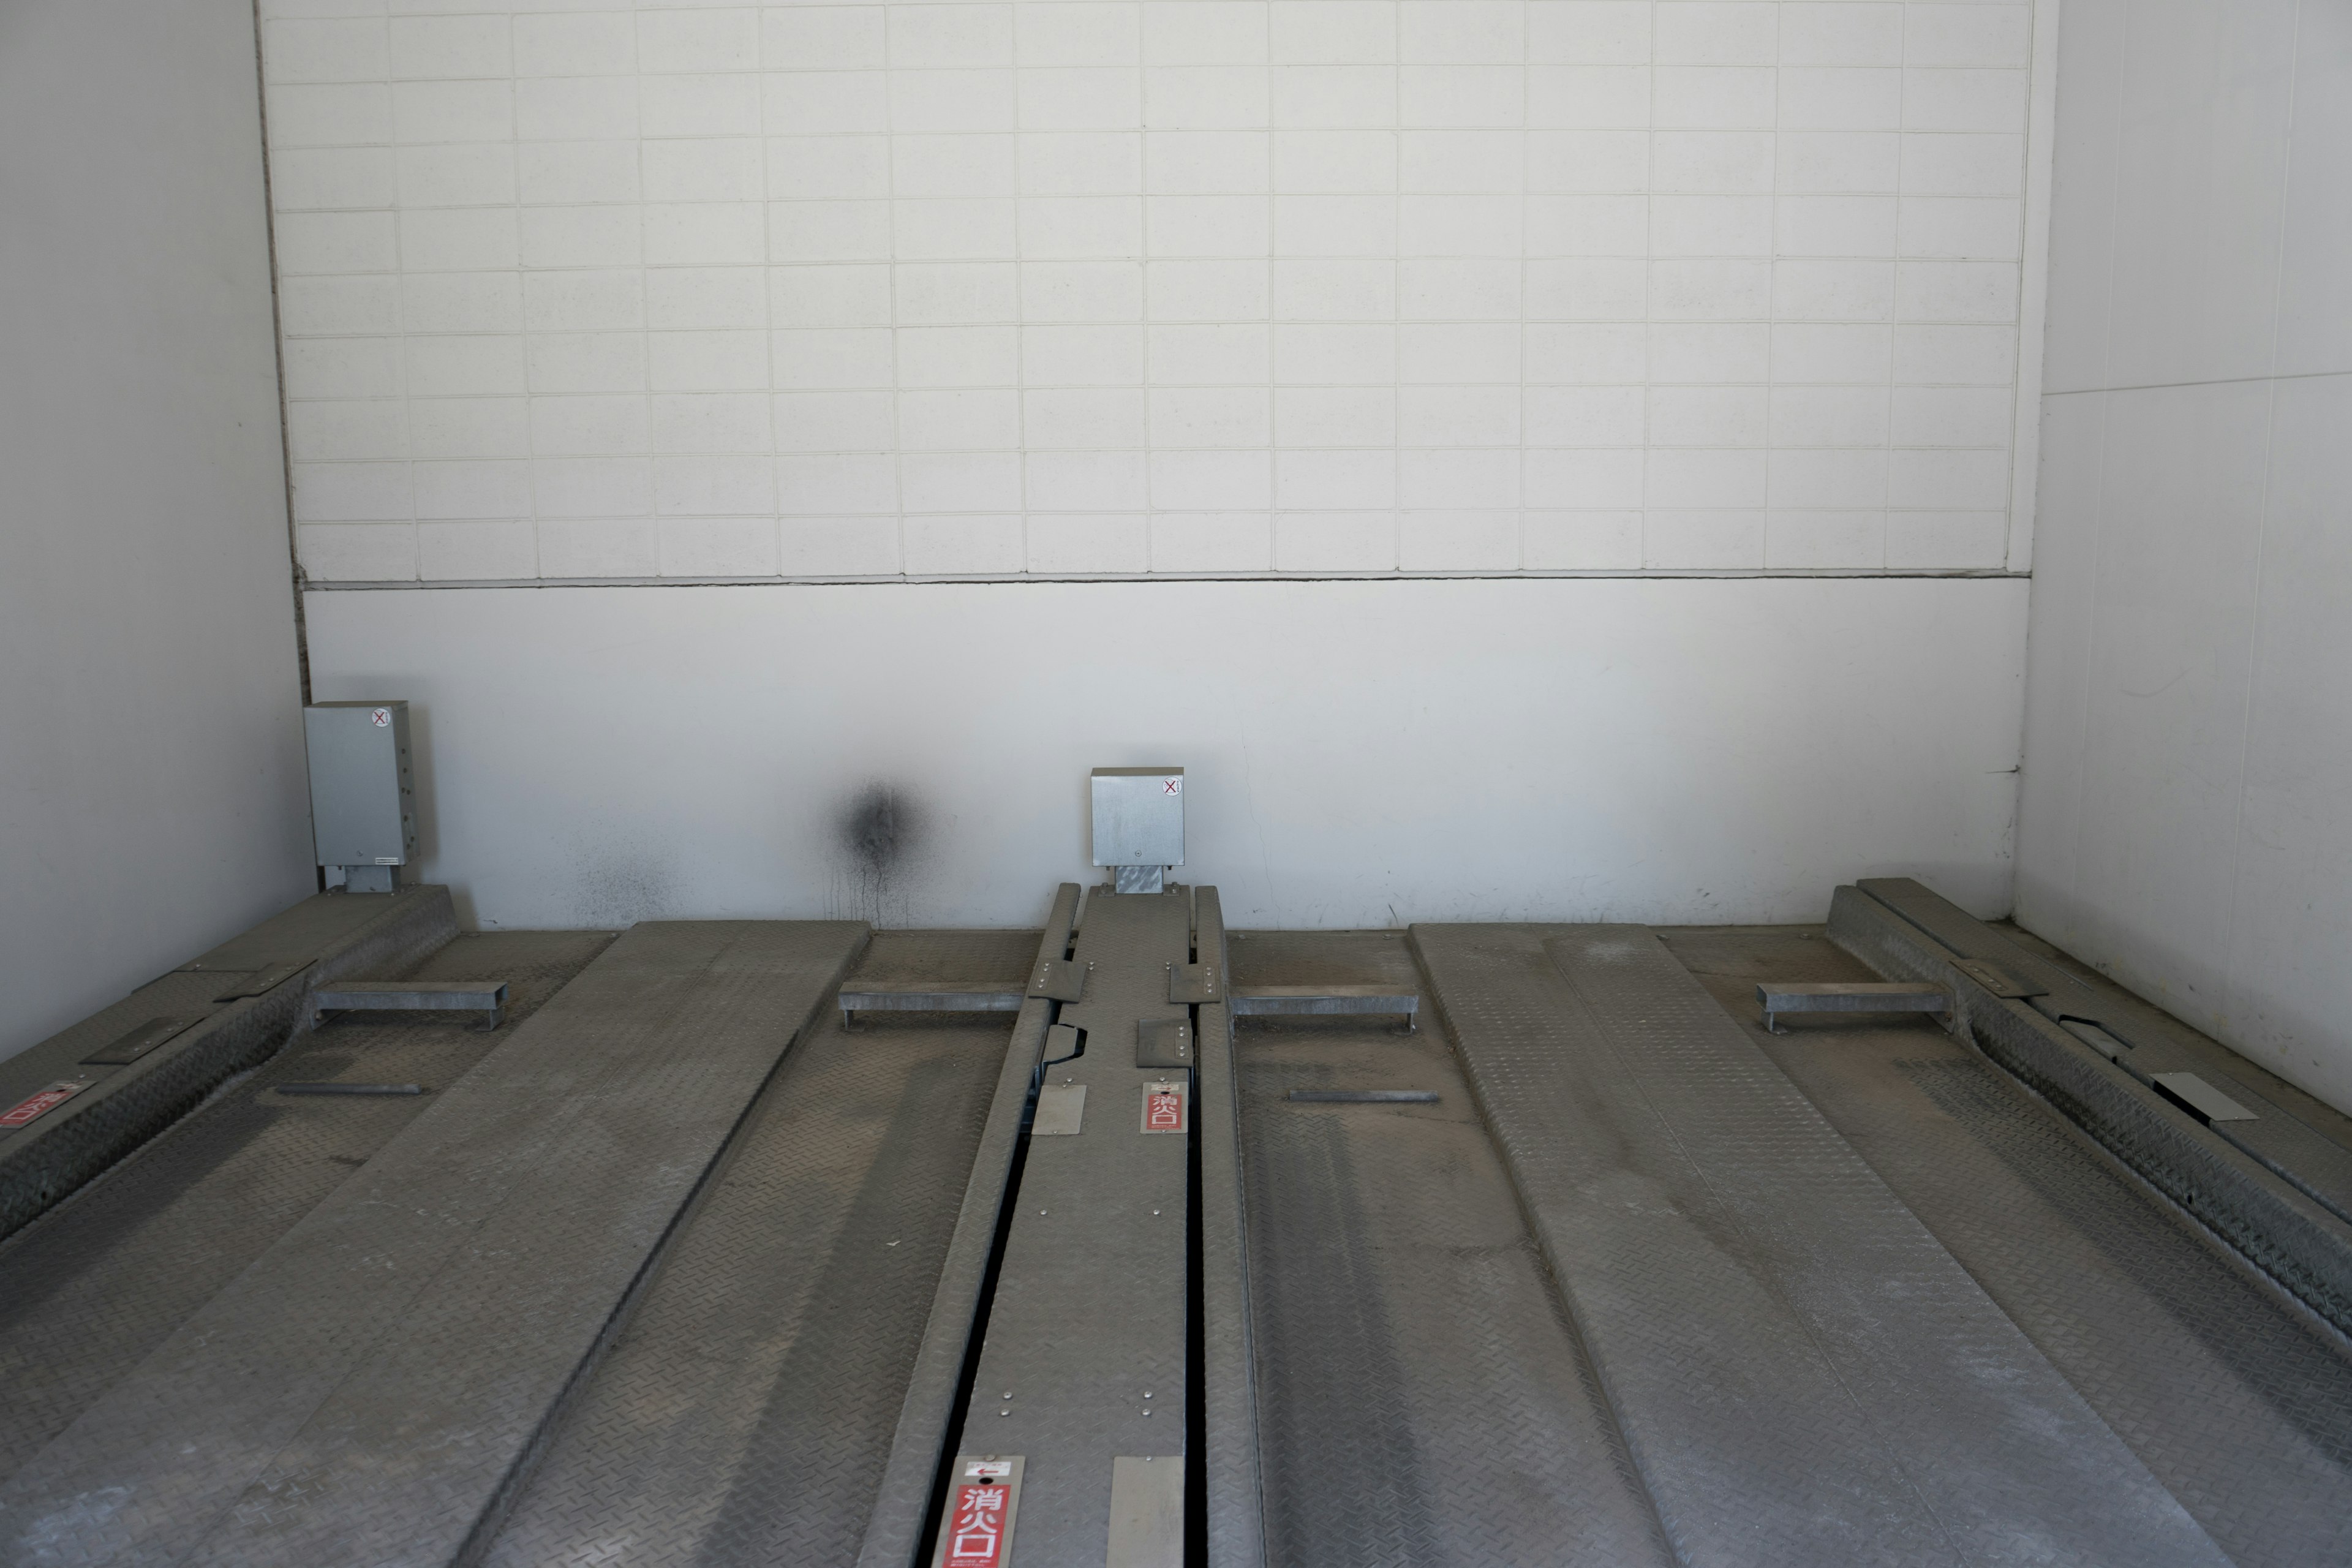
(1870, 574)
(2217, 380)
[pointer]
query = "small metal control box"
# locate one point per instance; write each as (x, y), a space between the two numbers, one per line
(1138, 816)
(363, 791)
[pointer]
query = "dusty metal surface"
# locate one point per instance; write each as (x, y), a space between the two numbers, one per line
(88, 1289)
(2102, 1085)
(2236, 1400)
(1850, 1295)
(362, 1390)
(248, 997)
(1234, 1501)
(1423, 1398)
(1854, 1395)
(745, 1414)
(2304, 1154)
(2112, 1000)
(928, 1414)
(1085, 1356)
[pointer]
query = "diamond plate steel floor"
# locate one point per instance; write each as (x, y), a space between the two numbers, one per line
(1085, 1357)
(1802, 1374)
(1645, 1285)
(744, 1415)
(88, 1289)
(2232, 1395)
(1422, 1398)
(361, 1392)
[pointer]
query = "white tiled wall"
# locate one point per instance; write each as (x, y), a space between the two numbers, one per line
(1079, 288)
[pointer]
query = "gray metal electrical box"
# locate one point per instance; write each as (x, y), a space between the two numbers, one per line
(363, 791)
(1138, 816)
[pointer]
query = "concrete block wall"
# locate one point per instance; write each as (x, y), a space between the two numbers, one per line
(1095, 288)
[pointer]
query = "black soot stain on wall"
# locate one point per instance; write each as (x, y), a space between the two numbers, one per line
(877, 831)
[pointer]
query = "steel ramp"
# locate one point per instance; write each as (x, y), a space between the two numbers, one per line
(2233, 1397)
(365, 1389)
(745, 1414)
(688, 1268)
(1424, 1398)
(91, 1289)
(1085, 1361)
(1802, 1373)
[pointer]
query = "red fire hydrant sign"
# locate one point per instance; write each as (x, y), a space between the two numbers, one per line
(1163, 1107)
(976, 1537)
(48, 1100)
(978, 1529)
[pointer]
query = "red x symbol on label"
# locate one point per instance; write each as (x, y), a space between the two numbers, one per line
(1170, 786)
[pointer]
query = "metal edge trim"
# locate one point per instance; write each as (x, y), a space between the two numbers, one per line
(894, 1528)
(2261, 1218)
(46, 1163)
(1237, 1503)
(482, 1534)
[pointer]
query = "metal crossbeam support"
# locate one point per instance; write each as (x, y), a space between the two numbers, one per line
(413, 996)
(1325, 1001)
(1850, 997)
(928, 997)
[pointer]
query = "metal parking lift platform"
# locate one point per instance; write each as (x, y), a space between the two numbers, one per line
(703, 1257)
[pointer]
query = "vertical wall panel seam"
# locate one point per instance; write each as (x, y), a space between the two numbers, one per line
(2034, 281)
(277, 358)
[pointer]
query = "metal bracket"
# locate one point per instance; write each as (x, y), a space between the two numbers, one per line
(1365, 1096)
(1848, 997)
(1064, 1042)
(1059, 979)
(2199, 1098)
(1320, 1001)
(485, 996)
(139, 1042)
(1163, 1043)
(1061, 1110)
(1195, 982)
(262, 981)
(925, 997)
(1996, 980)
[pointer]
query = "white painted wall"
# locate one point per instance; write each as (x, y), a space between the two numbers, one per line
(151, 786)
(2187, 815)
(1184, 287)
(1356, 753)
(1103, 288)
